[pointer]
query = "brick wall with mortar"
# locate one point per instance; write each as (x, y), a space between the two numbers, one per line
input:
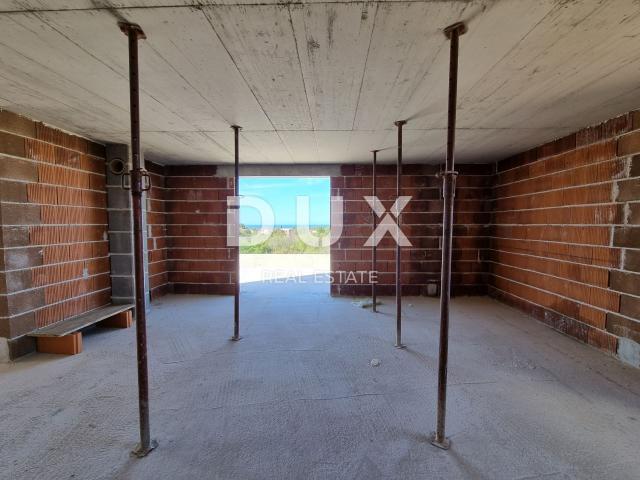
(54, 260)
(421, 223)
(554, 231)
(157, 232)
(565, 240)
(187, 219)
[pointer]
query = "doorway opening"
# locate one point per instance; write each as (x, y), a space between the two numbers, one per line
(284, 231)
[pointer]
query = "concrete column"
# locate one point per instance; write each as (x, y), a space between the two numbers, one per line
(120, 227)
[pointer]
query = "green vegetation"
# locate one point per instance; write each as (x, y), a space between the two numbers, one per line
(284, 241)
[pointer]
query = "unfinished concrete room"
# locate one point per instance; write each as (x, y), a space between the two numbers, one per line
(452, 292)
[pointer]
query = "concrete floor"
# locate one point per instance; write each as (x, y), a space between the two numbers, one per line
(297, 398)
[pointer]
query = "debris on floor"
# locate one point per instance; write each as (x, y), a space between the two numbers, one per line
(367, 303)
(375, 362)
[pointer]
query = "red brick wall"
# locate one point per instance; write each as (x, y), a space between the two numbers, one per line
(187, 247)
(55, 257)
(157, 232)
(565, 242)
(421, 223)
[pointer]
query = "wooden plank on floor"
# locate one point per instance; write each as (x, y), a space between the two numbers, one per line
(73, 324)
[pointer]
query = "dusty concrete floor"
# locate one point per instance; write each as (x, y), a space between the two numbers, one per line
(298, 399)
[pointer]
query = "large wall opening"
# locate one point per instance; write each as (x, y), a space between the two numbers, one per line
(284, 230)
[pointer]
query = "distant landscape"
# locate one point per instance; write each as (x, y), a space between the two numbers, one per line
(284, 240)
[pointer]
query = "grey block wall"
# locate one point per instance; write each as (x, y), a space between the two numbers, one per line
(120, 229)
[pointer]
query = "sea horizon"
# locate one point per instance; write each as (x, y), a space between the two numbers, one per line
(291, 225)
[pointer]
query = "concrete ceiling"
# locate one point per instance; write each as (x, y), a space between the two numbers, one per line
(321, 82)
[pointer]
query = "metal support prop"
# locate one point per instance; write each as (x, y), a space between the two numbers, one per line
(449, 175)
(236, 253)
(374, 262)
(399, 344)
(138, 186)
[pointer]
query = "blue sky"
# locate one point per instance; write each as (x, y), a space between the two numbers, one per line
(281, 192)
